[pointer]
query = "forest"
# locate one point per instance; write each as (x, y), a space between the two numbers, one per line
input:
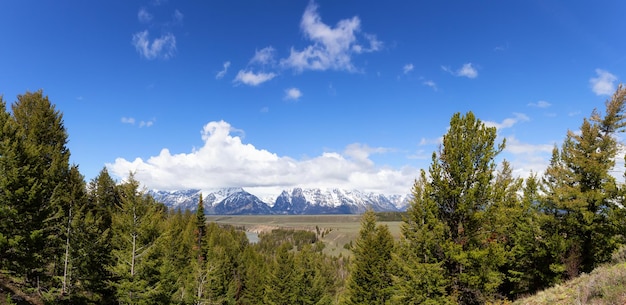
(473, 233)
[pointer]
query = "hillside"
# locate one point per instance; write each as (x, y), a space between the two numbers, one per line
(604, 285)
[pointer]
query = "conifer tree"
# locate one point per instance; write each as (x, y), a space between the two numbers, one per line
(420, 275)
(255, 275)
(582, 195)
(34, 160)
(370, 280)
(281, 285)
(92, 245)
(136, 229)
(455, 203)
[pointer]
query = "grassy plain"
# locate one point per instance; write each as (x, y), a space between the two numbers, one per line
(338, 230)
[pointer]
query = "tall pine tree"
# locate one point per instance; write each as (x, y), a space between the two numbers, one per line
(136, 228)
(455, 202)
(582, 195)
(34, 161)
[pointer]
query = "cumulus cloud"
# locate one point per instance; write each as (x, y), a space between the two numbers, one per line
(508, 122)
(163, 47)
(293, 94)
(332, 47)
(604, 83)
(467, 70)
(222, 73)
(407, 68)
(264, 56)
(253, 79)
(540, 104)
(225, 161)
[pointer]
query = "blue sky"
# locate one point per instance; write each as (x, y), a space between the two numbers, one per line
(269, 95)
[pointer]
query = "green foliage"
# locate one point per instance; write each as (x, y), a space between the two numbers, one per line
(34, 161)
(137, 225)
(452, 221)
(370, 280)
(581, 196)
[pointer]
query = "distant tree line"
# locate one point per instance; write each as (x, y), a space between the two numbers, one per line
(473, 233)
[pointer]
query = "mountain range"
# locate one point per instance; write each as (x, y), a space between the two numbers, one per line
(296, 201)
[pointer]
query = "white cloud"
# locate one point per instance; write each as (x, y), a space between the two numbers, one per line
(162, 47)
(253, 79)
(146, 123)
(332, 47)
(264, 56)
(604, 84)
(225, 161)
(431, 84)
(467, 70)
(407, 68)
(132, 121)
(144, 16)
(221, 74)
(293, 94)
(508, 122)
(527, 158)
(540, 104)
(128, 120)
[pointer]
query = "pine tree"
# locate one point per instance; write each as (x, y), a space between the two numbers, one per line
(370, 280)
(34, 160)
(92, 233)
(72, 196)
(136, 229)
(200, 249)
(224, 266)
(456, 204)
(281, 286)
(420, 276)
(254, 280)
(581, 194)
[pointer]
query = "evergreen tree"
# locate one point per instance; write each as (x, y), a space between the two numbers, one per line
(420, 275)
(224, 266)
(136, 228)
(370, 279)
(72, 196)
(92, 250)
(254, 280)
(456, 203)
(34, 160)
(582, 195)
(281, 286)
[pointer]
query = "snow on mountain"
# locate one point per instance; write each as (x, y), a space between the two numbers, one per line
(292, 201)
(177, 200)
(331, 201)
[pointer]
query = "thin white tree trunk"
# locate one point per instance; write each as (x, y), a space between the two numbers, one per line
(67, 253)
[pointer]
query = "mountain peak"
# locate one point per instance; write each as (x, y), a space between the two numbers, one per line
(235, 200)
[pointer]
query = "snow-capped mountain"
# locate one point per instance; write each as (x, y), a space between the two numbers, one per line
(293, 201)
(331, 201)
